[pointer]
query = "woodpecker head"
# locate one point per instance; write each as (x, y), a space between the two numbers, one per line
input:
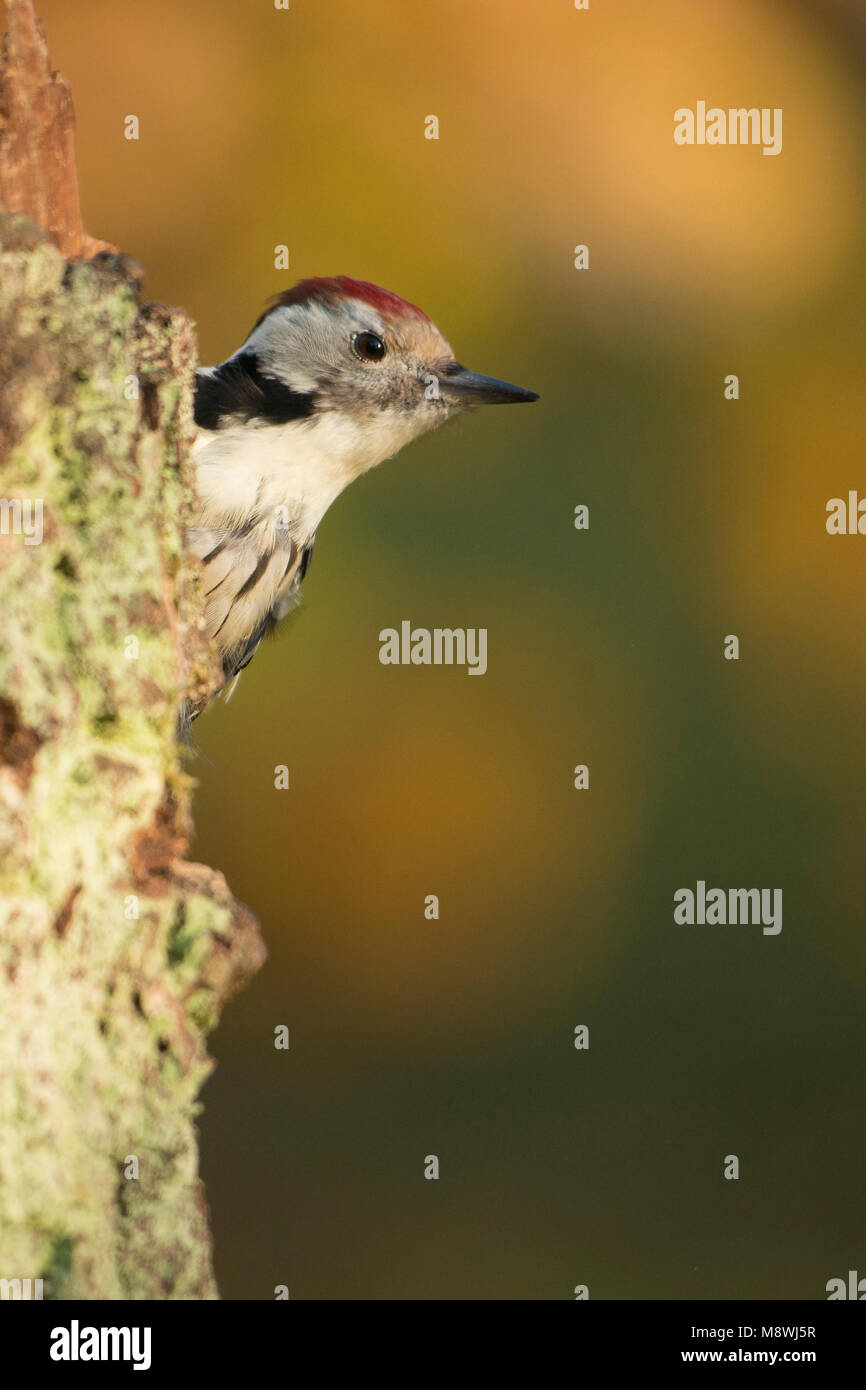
(371, 361)
(336, 376)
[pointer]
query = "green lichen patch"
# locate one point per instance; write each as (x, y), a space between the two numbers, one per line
(115, 955)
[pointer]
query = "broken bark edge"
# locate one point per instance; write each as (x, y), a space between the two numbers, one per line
(38, 172)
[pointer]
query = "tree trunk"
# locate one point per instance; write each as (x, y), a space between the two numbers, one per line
(115, 955)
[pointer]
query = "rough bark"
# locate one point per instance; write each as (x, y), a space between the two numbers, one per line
(38, 175)
(115, 954)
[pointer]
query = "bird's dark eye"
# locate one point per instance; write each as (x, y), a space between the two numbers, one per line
(369, 346)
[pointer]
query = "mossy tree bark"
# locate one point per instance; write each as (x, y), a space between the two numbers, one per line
(115, 954)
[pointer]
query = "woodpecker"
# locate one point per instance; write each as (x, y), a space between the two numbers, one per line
(335, 376)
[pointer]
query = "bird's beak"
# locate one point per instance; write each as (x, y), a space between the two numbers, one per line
(471, 388)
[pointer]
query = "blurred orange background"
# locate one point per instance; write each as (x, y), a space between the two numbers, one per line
(411, 1037)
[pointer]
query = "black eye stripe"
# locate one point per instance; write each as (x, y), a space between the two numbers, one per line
(368, 346)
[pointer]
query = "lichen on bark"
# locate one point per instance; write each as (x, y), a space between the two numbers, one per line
(115, 954)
